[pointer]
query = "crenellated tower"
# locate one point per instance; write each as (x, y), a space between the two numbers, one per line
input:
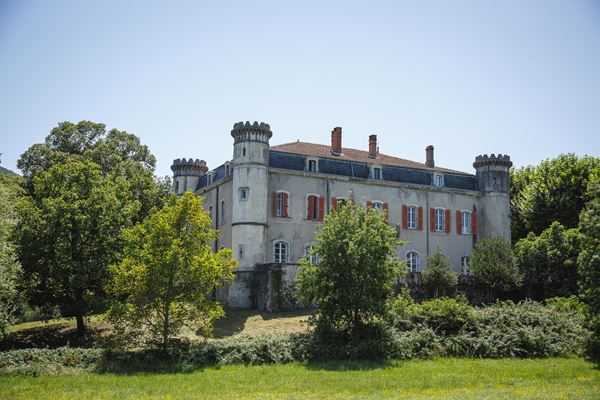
(250, 201)
(187, 173)
(493, 178)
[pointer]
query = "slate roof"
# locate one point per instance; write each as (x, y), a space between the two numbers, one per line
(324, 151)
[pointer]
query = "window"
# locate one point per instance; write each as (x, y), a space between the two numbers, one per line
(466, 222)
(312, 166)
(412, 217)
(210, 212)
(226, 169)
(378, 205)
(222, 211)
(243, 152)
(241, 251)
(440, 222)
(312, 258)
(464, 265)
(312, 207)
(438, 180)
(280, 252)
(412, 261)
(244, 193)
(176, 187)
(376, 173)
(281, 204)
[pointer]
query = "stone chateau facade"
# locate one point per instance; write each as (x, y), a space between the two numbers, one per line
(268, 202)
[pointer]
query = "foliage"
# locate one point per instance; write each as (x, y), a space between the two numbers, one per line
(548, 262)
(357, 270)
(82, 186)
(444, 316)
(555, 190)
(10, 269)
(589, 262)
(68, 233)
(438, 277)
(568, 305)
(169, 272)
(493, 267)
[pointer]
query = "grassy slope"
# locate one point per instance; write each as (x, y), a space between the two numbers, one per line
(437, 379)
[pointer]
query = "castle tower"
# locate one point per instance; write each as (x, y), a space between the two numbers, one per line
(250, 203)
(494, 205)
(187, 173)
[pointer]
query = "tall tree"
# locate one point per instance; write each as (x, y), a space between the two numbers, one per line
(493, 266)
(555, 190)
(357, 269)
(10, 270)
(83, 185)
(68, 234)
(169, 273)
(548, 262)
(589, 262)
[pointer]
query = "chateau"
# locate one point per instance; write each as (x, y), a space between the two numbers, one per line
(268, 202)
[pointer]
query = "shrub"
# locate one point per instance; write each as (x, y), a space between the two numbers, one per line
(438, 277)
(445, 316)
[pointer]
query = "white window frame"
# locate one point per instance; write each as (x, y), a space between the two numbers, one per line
(316, 161)
(408, 257)
(277, 256)
(440, 222)
(313, 259)
(377, 167)
(316, 206)
(377, 204)
(244, 190)
(280, 203)
(464, 265)
(466, 219)
(412, 223)
(438, 180)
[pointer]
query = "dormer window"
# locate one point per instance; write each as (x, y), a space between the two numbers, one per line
(376, 173)
(311, 165)
(438, 180)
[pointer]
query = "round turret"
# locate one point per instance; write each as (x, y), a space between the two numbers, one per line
(187, 173)
(493, 172)
(245, 132)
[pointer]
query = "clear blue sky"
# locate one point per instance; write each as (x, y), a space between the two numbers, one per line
(471, 77)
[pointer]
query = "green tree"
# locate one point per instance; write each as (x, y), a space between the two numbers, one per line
(357, 269)
(119, 154)
(589, 262)
(169, 272)
(555, 190)
(493, 266)
(10, 270)
(438, 276)
(548, 262)
(68, 234)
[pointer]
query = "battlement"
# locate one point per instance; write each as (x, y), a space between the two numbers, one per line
(190, 167)
(246, 131)
(499, 160)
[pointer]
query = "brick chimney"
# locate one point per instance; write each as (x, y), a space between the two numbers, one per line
(373, 150)
(429, 156)
(336, 141)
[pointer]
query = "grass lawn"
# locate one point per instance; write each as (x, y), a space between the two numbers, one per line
(435, 379)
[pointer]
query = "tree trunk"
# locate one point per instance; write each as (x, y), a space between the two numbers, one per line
(80, 325)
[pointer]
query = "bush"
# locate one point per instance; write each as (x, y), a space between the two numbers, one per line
(438, 277)
(445, 316)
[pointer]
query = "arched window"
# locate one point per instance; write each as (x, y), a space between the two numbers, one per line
(280, 252)
(412, 261)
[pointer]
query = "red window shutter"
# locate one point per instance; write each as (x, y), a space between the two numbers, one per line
(474, 221)
(369, 204)
(432, 219)
(285, 204)
(310, 211)
(321, 208)
(420, 219)
(447, 220)
(458, 222)
(386, 212)
(404, 217)
(274, 203)
(333, 203)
